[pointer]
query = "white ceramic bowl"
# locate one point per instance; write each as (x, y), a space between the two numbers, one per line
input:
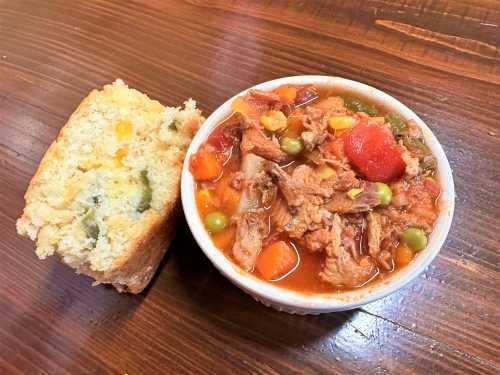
(293, 302)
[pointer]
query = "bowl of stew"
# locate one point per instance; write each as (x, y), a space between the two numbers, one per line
(317, 194)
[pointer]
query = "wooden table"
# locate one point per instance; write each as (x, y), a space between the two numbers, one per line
(441, 58)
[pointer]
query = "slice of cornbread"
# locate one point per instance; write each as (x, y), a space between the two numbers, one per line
(105, 195)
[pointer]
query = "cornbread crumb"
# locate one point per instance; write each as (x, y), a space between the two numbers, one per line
(109, 183)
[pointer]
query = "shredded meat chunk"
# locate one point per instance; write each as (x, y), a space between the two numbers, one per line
(413, 129)
(332, 106)
(341, 269)
(304, 196)
(374, 233)
(252, 226)
(280, 215)
(257, 187)
(316, 123)
(364, 201)
(412, 164)
(345, 180)
(375, 230)
(254, 140)
(403, 219)
(318, 240)
(303, 182)
(250, 231)
(237, 180)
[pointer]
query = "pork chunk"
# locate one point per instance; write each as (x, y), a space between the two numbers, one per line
(254, 140)
(257, 187)
(315, 124)
(251, 228)
(340, 268)
(363, 202)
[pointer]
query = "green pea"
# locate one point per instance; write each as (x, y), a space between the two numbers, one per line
(415, 238)
(292, 146)
(215, 221)
(384, 193)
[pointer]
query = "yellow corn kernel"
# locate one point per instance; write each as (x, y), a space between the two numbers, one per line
(353, 193)
(123, 131)
(341, 122)
(274, 120)
(120, 154)
(325, 172)
(377, 120)
(92, 162)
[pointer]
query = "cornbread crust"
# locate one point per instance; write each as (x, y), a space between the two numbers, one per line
(130, 269)
(134, 270)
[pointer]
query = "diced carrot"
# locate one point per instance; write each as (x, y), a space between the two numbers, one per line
(294, 124)
(276, 260)
(229, 197)
(251, 108)
(205, 166)
(241, 105)
(403, 255)
(287, 93)
(204, 201)
(224, 240)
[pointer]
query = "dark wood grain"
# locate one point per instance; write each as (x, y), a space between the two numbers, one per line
(441, 58)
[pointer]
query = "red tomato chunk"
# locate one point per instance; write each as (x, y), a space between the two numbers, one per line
(373, 150)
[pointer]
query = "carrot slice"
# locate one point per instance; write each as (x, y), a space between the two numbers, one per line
(276, 260)
(205, 166)
(287, 93)
(224, 240)
(229, 197)
(403, 255)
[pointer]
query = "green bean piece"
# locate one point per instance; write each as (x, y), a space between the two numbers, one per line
(415, 144)
(428, 163)
(173, 124)
(90, 225)
(357, 105)
(415, 238)
(146, 193)
(398, 123)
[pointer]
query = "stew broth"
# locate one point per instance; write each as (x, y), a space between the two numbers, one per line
(413, 206)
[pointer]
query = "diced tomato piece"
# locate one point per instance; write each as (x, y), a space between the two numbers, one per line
(373, 150)
(224, 137)
(276, 260)
(432, 187)
(306, 94)
(334, 148)
(205, 166)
